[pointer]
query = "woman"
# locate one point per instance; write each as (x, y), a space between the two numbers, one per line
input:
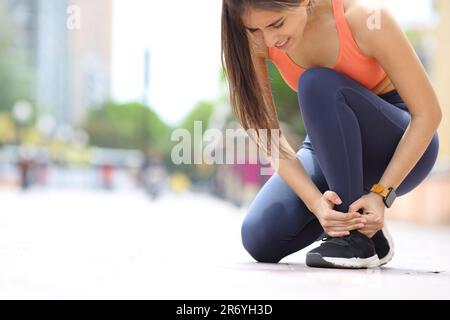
(370, 113)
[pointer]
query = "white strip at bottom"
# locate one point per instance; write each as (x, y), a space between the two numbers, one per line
(371, 262)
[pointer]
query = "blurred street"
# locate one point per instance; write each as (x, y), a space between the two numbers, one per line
(84, 244)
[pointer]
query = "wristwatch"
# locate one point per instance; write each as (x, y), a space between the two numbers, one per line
(388, 194)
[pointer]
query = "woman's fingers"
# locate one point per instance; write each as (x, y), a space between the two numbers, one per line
(369, 232)
(348, 223)
(338, 234)
(347, 228)
(332, 197)
(372, 226)
(373, 221)
(338, 224)
(340, 216)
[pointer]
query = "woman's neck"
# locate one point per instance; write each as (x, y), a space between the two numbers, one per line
(316, 18)
(318, 12)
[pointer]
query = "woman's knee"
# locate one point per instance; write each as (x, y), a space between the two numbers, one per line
(257, 240)
(317, 90)
(319, 79)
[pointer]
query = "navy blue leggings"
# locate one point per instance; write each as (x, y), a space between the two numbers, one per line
(352, 135)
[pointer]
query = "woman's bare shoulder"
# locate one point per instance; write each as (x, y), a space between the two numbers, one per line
(360, 14)
(361, 8)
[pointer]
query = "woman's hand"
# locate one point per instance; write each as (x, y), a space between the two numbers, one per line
(372, 207)
(335, 223)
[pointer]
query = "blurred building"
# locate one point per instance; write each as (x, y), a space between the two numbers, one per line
(23, 15)
(21, 19)
(39, 31)
(52, 64)
(90, 56)
(72, 65)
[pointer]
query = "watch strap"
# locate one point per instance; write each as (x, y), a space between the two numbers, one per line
(380, 189)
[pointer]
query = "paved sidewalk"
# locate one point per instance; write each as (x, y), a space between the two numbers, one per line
(81, 245)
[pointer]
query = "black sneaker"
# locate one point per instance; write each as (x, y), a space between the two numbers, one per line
(355, 251)
(384, 246)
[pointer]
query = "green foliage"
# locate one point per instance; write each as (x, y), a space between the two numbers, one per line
(286, 101)
(127, 126)
(14, 77)
(201, 112)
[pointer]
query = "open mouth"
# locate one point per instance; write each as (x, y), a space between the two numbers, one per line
(282, 45)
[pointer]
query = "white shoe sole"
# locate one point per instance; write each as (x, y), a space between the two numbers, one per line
(390, 254)
(357, 263)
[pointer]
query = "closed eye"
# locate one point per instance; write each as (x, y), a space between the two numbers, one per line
(279, 25)
(276, 27)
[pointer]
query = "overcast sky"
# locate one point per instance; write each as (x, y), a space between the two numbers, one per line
(184, 41)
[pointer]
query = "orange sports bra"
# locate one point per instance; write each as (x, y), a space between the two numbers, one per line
(351, 61)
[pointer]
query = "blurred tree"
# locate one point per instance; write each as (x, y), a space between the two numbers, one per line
(7, 128)
(15, 78)
(202, 112)
(127, 126)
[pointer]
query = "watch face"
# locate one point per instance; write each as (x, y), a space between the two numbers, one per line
(390, 198)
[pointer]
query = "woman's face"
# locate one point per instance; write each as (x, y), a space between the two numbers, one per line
(280, 29)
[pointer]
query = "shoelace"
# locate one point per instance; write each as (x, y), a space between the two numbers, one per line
(341, 241)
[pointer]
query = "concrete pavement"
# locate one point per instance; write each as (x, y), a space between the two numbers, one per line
(81, 244)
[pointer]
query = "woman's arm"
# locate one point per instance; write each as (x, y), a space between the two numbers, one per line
(291, 170)
(389, 45)
(295, 175)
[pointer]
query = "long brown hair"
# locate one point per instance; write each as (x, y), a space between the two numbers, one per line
(250, 102)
